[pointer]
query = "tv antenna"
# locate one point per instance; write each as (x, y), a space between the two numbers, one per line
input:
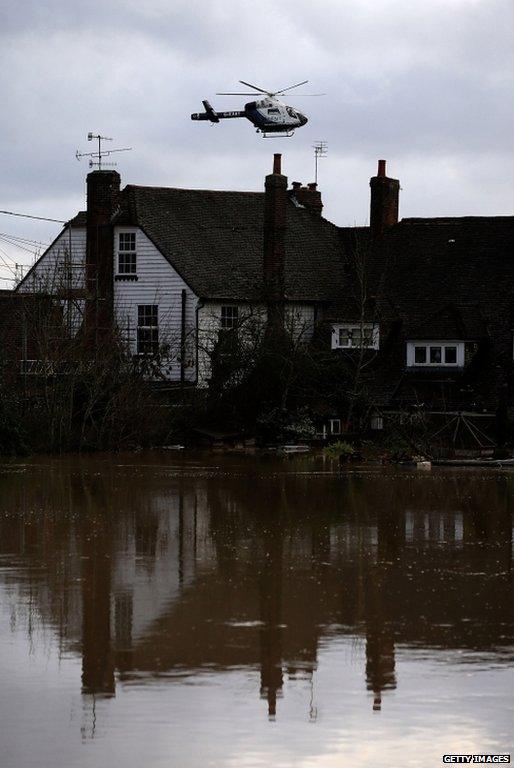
(96, 158)
(320, 150)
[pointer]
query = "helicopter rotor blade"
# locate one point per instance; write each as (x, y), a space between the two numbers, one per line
(256, 87)
(291, 87)
(254, 93)
(309, 94)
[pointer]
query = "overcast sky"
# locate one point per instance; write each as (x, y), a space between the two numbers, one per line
(427, 85)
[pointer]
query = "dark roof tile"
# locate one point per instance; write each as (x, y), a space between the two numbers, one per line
(214, 239)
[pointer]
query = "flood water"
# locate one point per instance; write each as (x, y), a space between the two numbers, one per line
(160, 609)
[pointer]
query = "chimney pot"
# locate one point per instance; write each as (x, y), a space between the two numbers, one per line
(381, 168)
(277, 163)
(308, 196)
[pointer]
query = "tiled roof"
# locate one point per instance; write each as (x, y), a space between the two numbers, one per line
(446, 278)
(80, 220)
(215, 241)
(427, 265)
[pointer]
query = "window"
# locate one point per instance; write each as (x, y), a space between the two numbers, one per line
(435, 353)
(147, 329)
(377, 422)
(450, 355)
(229, 317)
(355, 336)
(273, 111)
(335, 426)
(420, 355)
(127, 253)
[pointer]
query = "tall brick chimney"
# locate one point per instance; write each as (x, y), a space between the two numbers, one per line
(103, 189)
(385, 194)
(309, 196)
(275, 204)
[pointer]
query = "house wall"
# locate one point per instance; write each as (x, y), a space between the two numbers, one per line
(251, 321)
(56, 272)
(157, 283)
(299, 319)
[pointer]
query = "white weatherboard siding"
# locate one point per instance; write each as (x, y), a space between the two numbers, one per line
(56, 271)
(251, 321)
(157, 283)
(299, 321)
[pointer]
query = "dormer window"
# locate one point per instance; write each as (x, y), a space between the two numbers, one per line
(355, 336)
(435, 354)
(127, 257)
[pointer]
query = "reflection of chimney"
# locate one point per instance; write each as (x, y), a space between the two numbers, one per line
(308, 196)
(103, 188)
(123, 619)
(384, 201)
(97, 658)
(270, 588)
(275, 203)
(380, 651)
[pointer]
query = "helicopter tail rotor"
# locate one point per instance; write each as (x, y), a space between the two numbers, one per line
(209, 114)
(209, 111)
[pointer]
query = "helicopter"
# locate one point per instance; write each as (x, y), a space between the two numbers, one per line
(270, 116)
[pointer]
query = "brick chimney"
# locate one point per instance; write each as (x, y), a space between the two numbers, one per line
(275, 204)
(308, 196)
(384, 201)
(103, 189)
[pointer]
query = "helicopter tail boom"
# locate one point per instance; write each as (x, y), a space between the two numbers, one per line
(213, 116)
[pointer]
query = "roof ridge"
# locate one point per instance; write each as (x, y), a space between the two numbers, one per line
(191, 189)
(452, 219)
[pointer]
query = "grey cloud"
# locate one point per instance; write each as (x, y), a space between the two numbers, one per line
(427, 85)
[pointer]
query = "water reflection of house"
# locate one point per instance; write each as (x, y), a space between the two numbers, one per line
(166, 577)
(434, 525)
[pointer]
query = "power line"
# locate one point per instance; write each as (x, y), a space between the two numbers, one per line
(25, 240)
(7, 266)
(11, 258)
(29, 216)
(32, 250)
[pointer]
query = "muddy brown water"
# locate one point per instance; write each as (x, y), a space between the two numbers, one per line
(166, 609)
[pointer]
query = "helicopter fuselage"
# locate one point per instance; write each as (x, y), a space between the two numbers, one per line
(272, 116)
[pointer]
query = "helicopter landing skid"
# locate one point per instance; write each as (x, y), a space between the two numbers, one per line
(277, 135)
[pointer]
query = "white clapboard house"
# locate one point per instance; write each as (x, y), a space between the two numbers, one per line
(169, 268)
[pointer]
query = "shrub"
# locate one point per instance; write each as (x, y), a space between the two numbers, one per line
(339, 450)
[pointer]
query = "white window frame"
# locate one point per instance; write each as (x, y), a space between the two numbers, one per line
(335, 426)
(351, 328)
(411, 353)
(228, 323)
(145, 313)
(376, 422)
(126, 252)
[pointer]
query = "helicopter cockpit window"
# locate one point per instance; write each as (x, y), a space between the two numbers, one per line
(291, 112)
(274, 111)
